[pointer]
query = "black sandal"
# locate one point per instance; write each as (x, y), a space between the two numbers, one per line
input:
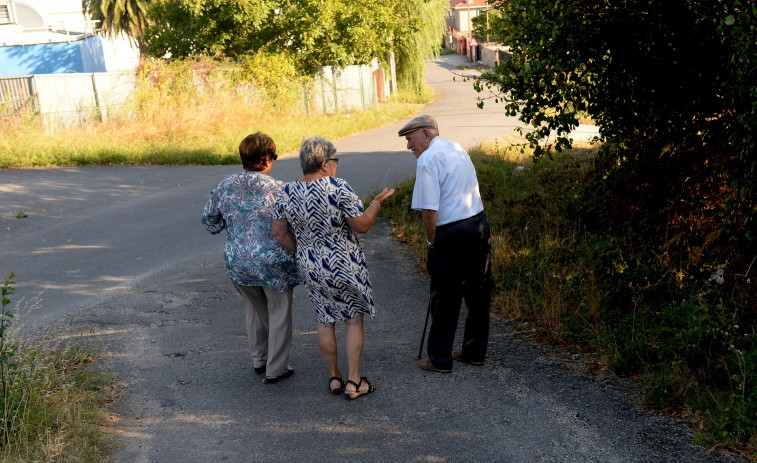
(336, 390)
(357, 392)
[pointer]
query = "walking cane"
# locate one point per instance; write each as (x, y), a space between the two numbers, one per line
(425, 325)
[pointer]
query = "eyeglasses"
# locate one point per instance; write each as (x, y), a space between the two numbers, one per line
(275, 157)
(336, 160)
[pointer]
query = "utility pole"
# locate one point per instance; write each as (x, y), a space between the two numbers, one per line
(470, 30)
(487, 25)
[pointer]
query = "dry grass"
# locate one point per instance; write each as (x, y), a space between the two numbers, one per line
(523, 200)
(193, 128)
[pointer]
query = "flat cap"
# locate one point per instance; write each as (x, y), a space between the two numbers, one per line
(420, 122)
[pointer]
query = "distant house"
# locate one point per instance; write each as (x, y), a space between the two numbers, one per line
(53, 36)
(462, 12)
(459, 35)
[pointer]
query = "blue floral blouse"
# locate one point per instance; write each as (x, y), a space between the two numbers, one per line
(243, 204)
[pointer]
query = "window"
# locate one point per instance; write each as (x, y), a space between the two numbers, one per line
(5, 14)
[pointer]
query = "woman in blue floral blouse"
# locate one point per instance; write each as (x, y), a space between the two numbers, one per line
(262, 272)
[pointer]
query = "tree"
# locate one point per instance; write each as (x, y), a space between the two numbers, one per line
(317, 32)
(485, 24)
(128, 17)
(671, 86)
(668, 84)
(184, 28)
(417, 36)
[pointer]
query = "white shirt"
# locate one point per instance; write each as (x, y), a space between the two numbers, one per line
(445, 182)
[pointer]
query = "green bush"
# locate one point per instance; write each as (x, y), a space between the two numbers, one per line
(669, 214)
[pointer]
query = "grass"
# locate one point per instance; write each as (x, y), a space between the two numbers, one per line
(59, 404)
(203, 130)
(53, 402)
(528, 229)
(583, 287)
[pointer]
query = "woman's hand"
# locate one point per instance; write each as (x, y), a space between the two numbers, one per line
(364, 222)
(383, 196)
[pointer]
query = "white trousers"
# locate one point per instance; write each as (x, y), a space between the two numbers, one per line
(268, 317)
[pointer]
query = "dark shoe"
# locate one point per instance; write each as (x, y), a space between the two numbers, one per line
(260, 370)
(458, 355)
(268, 380)
(336, 390)
(357, 392)
(426, 364)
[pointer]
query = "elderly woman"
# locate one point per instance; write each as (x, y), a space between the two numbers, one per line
(262, 272)
(324, 214)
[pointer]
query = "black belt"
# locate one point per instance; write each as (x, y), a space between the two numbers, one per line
(452, 224)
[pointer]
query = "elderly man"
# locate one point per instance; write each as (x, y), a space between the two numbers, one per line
(459, 246)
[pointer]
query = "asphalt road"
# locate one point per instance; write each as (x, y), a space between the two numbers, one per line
(116, 257)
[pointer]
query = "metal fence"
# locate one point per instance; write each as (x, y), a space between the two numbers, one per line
(17, 94)
(70, 99)
(65, 100)
(342, 89)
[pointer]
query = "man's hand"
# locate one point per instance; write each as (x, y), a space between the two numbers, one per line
(429, 223)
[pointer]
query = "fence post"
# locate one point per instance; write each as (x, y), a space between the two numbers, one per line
(323, 96)
(334, 89)
(98, 109)
(362, 90)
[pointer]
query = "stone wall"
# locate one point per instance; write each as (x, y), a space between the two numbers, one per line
(492, 55)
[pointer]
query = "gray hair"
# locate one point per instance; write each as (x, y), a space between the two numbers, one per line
(313, 152)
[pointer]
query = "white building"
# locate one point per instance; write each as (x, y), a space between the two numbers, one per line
(53, 36)
(462, 12)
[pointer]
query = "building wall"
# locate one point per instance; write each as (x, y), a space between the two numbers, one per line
(458, 18)
(54, 13)
(60, 19)
(53, 58)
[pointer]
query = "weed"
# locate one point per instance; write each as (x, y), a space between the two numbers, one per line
(51, 399)
(193, 113)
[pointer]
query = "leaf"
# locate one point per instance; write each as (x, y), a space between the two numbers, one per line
(730, 20)
(21, 215)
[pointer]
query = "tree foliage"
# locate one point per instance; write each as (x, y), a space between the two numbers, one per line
(418, 34)
(323, 32)
(671, 86)
(183, 28)
(128, 17)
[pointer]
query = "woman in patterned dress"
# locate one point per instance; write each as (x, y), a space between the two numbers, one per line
(324, 214)
(262, 272)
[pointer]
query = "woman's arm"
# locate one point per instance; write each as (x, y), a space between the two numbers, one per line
(280, 231)
(363, 223)
(211, 215)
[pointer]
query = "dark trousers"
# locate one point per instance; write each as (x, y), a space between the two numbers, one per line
(460, 266)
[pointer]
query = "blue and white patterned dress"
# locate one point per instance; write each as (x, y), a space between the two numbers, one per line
(243, 204)
(329, 255)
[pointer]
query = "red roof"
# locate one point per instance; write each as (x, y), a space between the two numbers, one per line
(465, 3)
